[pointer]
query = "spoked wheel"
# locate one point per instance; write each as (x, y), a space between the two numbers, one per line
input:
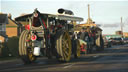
(25, 48)
(77, 50)
(63, 46)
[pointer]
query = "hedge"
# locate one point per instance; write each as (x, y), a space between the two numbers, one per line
(11, 47)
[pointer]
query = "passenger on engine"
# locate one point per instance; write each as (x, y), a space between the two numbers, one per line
(84, 35)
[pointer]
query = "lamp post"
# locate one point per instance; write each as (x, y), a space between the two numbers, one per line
(121, 24)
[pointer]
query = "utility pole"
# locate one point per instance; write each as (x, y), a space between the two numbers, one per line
(88, 11)
(89, 19)
(121, 24)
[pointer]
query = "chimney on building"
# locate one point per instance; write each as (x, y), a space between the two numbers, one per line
(9, 16)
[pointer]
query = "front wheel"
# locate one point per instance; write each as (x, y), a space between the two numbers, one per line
(25, 48)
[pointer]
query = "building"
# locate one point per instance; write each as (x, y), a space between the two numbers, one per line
(8, 27)
(119, 33)
(13, 28)
(125, 34)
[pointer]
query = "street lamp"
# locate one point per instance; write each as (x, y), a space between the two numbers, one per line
(121, 25)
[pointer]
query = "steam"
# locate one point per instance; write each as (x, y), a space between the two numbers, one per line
(114, 25)
(110, 25)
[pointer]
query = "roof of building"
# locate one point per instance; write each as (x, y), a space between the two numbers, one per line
(12, 23)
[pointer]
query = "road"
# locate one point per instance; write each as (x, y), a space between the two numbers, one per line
(113, 59)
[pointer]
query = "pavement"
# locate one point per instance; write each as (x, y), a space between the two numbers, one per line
(114, 59)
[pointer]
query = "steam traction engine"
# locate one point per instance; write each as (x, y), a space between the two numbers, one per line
(48, 35)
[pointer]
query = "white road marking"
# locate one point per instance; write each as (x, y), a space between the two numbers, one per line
(68, 66)
(19, 64)
(96, 56)
(41, 63)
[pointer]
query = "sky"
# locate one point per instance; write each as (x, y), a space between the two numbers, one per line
(107, 13)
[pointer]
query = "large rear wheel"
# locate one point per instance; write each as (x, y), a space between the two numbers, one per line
(63, 47)
(25, 47)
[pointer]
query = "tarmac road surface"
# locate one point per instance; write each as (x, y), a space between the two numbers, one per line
(113, 59)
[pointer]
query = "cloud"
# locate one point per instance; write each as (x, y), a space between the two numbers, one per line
(107, 25)
(110, 25)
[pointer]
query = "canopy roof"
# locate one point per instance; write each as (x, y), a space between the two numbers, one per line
(56, 16)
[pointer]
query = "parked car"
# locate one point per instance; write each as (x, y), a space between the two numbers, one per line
(117, 41)
(125, 40)
(107, 42)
